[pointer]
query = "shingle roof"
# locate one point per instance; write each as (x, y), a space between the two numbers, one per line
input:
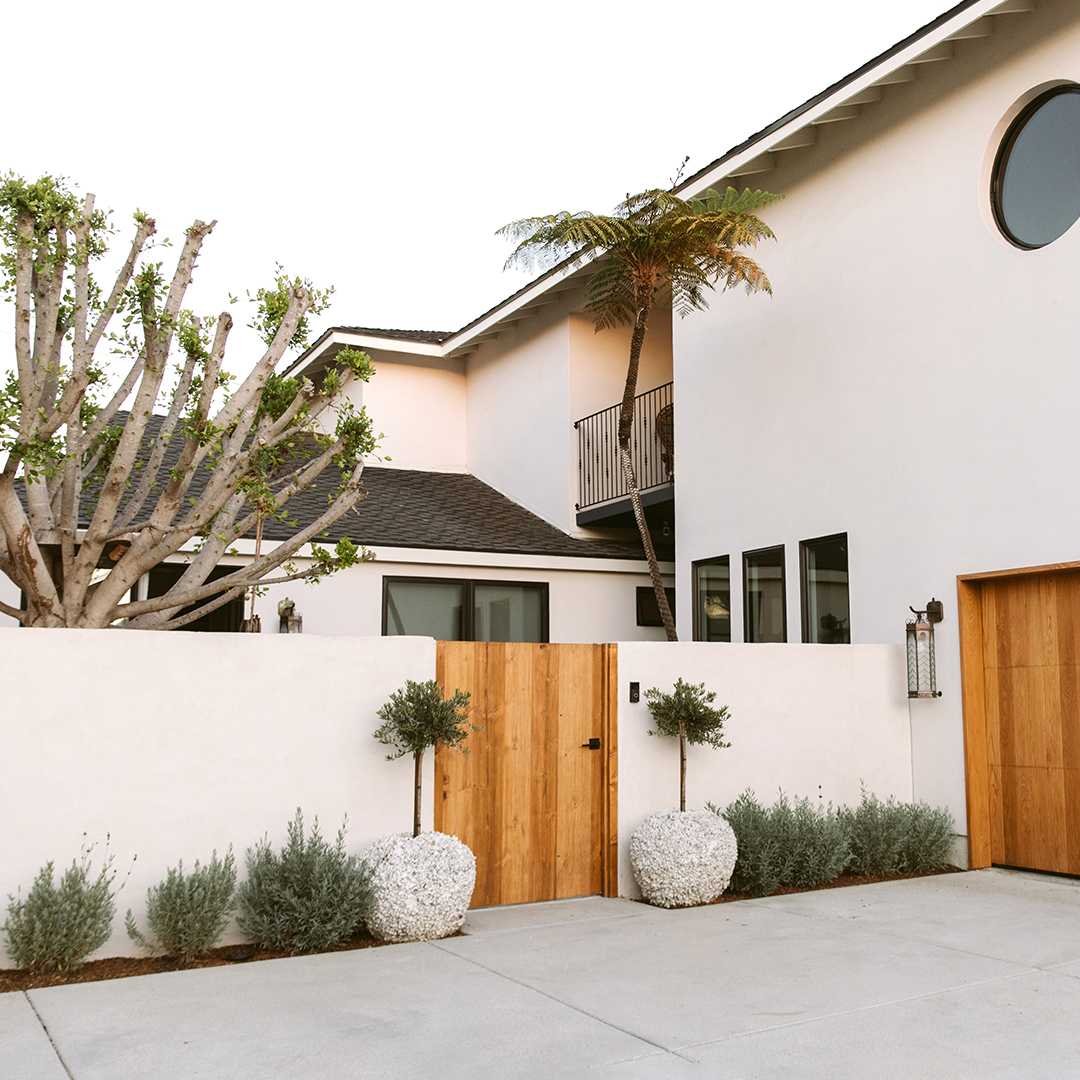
(454, 511)
(432, 337)
(408, 508)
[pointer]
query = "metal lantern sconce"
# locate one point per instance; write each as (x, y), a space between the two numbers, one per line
(921, 665)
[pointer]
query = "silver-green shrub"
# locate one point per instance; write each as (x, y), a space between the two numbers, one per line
(58, 926)
(187, 913)
(765, 855)
(877, 832)
(805, 845)
(821, 844)
(927, 838)
(309, 897)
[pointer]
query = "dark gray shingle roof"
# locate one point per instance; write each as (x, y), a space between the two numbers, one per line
(409, 508)
(455, 511)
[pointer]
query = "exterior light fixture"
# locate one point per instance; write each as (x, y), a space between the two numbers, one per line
(921, 665)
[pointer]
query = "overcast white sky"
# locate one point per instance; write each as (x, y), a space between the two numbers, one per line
(377, 147)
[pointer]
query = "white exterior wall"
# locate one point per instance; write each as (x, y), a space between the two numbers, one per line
(418, 404)
(10, 595)
(518, 403)
(176, 744)
(590, 600)
(812, 720)
(913, 380)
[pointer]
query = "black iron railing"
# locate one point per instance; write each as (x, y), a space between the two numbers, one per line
(652, 448)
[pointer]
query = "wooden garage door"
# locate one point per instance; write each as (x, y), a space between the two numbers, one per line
(532, 800)
(1024, 633)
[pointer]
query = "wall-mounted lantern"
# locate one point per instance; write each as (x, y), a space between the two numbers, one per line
(921, 665)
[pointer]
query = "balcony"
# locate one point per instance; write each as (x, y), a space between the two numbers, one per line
(603, 496)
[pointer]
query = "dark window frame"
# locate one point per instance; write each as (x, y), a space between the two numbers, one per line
(644, 591)
(746, 556)
(804, 579)
(716, 560)
(468, 601)
(1004, 152)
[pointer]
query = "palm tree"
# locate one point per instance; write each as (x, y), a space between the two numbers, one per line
(658, 247)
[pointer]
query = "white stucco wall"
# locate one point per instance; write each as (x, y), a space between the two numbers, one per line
(912, 382)
(173, 745)
(419, 407)
(812, 720)
(10, 595)
(590, 600)
(417, 403)
(518, 404)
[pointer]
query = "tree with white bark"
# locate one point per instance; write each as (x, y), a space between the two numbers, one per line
(93, 496)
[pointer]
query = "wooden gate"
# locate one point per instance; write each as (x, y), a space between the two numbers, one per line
(1020, 653)
(535, 803)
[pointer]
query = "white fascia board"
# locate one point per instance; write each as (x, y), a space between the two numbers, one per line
(370, 341)
(525, 299)
(444, 557)
(845, 93)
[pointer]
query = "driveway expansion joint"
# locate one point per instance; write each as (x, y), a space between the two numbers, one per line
(48, 1035)
(567, 1004)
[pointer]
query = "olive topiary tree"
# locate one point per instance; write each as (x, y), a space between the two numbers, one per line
(688, 713)
(418, 717)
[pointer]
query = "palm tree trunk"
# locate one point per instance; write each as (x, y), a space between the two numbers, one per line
(682, 771)
(626, 421)
(418, 758)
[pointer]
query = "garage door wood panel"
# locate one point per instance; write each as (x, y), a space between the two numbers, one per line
(1024, 719)
(533, 803)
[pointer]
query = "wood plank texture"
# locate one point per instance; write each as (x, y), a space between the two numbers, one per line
(973, 691)
(530, 799)
(1029, 715)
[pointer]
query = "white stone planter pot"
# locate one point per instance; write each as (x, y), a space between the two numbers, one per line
(423, 886)
(682, 858)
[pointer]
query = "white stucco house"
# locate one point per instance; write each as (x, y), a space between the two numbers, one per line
(895, 424)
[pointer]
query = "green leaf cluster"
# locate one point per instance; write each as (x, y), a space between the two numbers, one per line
(310, 897)
(58, 926)
(273, 303)
(187, 913)
(688, 712)
(419, 716)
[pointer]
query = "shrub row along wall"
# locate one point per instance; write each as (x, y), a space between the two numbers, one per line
(808, 719)
(176, 744)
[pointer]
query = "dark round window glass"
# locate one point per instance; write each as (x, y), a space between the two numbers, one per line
(1036, 193)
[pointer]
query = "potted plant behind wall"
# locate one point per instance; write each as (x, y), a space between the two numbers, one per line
(423, 882)
(684, 857)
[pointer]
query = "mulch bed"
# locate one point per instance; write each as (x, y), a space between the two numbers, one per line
(121, 967)
(842, 882)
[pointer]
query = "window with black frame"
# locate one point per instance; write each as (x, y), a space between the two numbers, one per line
(825, 615)
(764, 599)
(712, 599)
(465, 610)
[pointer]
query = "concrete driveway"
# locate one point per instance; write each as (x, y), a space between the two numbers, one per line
(971, 975)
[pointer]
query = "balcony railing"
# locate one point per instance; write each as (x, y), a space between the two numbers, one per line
(652, 449)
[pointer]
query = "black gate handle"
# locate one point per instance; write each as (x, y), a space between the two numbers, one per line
(592, 744)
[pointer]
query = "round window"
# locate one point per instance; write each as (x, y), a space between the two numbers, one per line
(1036, 181)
